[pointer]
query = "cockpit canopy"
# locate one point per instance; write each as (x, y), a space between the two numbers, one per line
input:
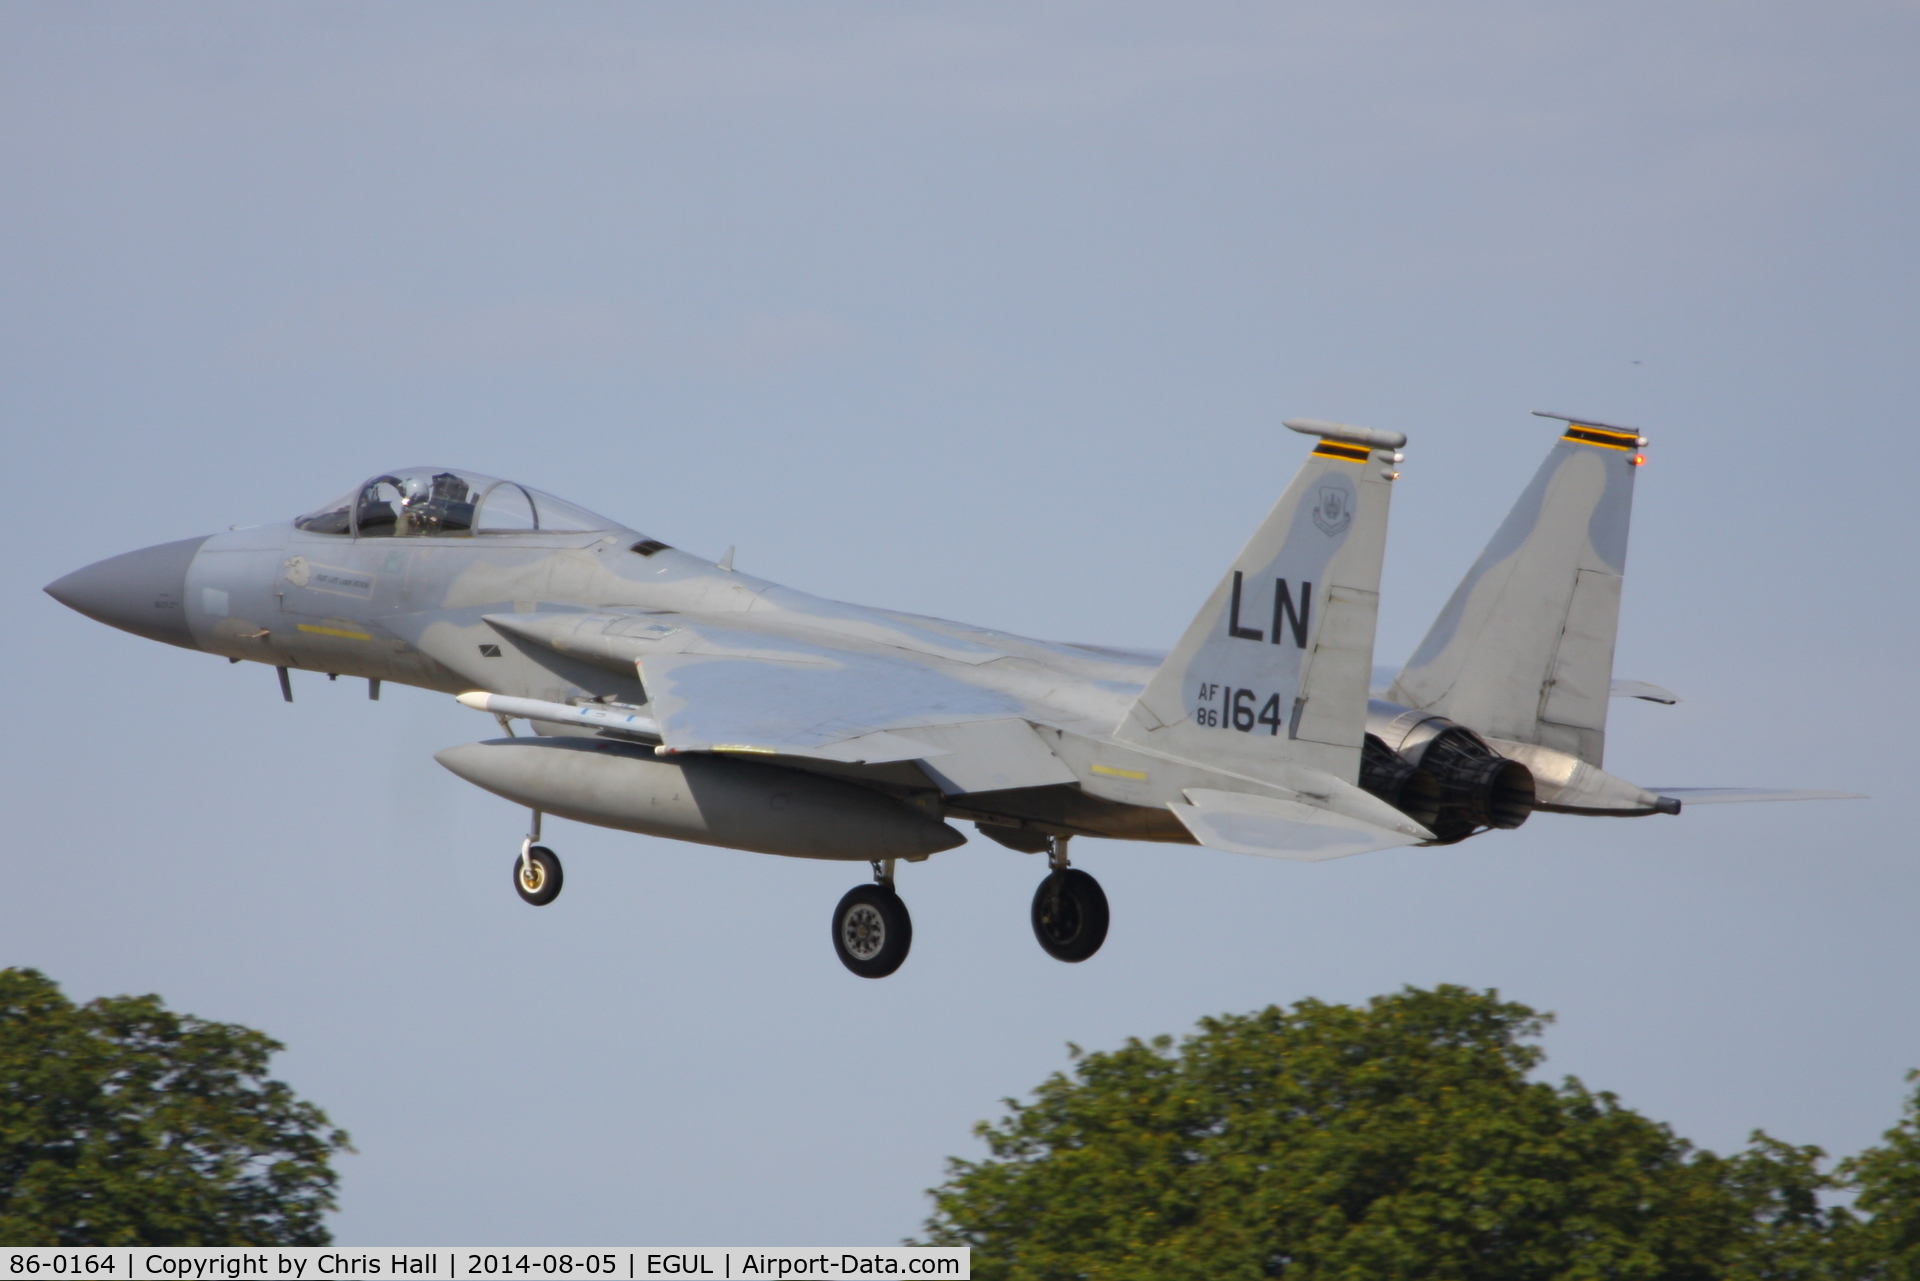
(437, 502)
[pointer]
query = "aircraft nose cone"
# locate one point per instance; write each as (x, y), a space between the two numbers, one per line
(142, 592)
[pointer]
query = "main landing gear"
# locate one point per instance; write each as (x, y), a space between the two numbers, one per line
(871, 928)
(1069, 909)
(536, 873)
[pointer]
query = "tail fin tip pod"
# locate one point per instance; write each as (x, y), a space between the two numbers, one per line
(1272, 673)
(1595, 432)
(1372, 437)
(1523, 650)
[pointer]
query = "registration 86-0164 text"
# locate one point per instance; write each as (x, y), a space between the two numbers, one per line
(61, 1265)
(1224, 707)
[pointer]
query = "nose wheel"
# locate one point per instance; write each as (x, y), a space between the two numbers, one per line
(1069, 910)
(536, 873)
(871, 928)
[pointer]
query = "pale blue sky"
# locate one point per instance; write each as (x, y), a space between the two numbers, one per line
(988, 311)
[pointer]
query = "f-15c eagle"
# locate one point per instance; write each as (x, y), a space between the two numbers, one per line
(679, 697)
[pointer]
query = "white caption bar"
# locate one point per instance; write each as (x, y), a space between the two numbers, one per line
(445, 1263)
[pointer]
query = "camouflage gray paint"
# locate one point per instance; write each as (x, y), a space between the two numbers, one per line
(871, 728)
(415, 579)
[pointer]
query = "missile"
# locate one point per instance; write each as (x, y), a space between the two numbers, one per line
(711, 800)
(595, 715)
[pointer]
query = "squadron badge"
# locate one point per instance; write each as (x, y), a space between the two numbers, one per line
(1334, 510)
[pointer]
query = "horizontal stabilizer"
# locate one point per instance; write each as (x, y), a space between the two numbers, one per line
(1643, 690)
(1736, 795)
(1382, 682)
(1240, 823)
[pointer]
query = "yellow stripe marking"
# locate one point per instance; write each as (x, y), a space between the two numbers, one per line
(1342, 450)
(1138, 776)
(1604, 437)
(333, 631)
(741, 747)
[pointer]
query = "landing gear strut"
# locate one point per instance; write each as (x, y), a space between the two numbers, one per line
(536, 873)
(1069, 909)
(871, 928)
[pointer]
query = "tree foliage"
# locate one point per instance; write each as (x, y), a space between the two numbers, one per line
(1888, 1181)
(123, 1123)
(1400, 1140)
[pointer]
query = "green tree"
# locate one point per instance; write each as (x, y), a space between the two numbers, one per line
(1888, 1181)
(1785, 1233)
(123, 1123)
(1402, 1140)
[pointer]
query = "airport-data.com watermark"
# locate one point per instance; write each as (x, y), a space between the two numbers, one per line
(445, 1263)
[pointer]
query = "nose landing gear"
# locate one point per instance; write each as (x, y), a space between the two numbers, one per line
(536, 873)
(1069, 909)
(871, 928)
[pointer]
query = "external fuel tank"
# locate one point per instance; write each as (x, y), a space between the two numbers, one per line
(712, 800)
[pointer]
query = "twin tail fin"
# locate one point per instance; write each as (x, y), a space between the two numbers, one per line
(1523, 650)
(1273, 671)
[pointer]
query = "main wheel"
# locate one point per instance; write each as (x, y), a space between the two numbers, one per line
(1070, 915)
(872, 931)
(537, 878)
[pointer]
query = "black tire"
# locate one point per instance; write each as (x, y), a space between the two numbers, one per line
(540, 883)
(1070, 915)
(872, 931)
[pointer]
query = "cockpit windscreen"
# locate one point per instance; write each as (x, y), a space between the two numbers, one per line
(428, 502)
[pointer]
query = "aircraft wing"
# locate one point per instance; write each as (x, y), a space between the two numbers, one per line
(836, 704)
(780, 692)
(720, 694)
(1733, 795)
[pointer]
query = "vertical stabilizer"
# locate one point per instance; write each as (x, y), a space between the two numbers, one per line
(1273, 672)
(1524, 648)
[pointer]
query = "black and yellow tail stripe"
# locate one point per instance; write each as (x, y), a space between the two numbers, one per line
(1341, 449)
(1605, 437)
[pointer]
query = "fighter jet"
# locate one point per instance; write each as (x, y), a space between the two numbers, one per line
(677, 696)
